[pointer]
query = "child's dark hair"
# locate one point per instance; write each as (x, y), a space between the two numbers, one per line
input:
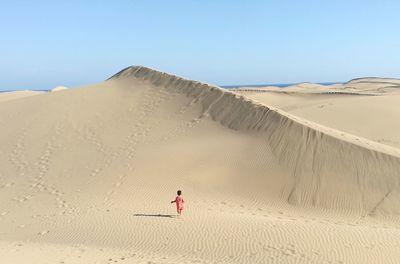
(179, 192)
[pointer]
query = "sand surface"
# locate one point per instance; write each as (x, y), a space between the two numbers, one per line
(87, 174)
(366, 107)
(9, 96)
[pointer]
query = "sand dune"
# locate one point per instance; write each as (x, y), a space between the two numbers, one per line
(12, 95)
(87, 175)
(360, 86)
(58, 88)
(366, 107)
(8, 96)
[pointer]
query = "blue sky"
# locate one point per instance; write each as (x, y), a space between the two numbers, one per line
(49, 43)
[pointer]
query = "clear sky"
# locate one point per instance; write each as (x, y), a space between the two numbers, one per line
(49, 43)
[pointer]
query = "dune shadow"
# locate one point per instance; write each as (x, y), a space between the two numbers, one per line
(155, 215)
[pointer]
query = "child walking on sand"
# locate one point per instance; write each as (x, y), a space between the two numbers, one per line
(179, 202)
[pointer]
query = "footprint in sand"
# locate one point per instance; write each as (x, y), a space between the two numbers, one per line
(43, 232)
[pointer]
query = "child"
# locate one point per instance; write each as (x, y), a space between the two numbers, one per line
(179, 202)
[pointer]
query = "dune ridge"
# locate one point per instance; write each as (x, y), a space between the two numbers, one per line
(375, 80)
(365, 173)
(371, 86)
(215, 100)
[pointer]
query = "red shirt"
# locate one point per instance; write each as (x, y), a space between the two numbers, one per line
(179, 202)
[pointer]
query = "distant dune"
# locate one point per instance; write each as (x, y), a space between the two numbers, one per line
(305, 174)
(366, 107)
(58, 88)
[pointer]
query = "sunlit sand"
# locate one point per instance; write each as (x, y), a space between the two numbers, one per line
(306, 174)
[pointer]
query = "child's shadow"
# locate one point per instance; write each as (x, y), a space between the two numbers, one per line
(155, 215)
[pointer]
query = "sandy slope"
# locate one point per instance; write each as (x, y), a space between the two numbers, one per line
(12, 95)
(87, 174)
(8, 96)
(367, 107)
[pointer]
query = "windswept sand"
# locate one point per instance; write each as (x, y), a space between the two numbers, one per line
(12, 95)
(366, 107)
(87, 176)
(9, 96)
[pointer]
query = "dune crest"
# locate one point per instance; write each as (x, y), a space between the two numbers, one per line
(362, 171)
